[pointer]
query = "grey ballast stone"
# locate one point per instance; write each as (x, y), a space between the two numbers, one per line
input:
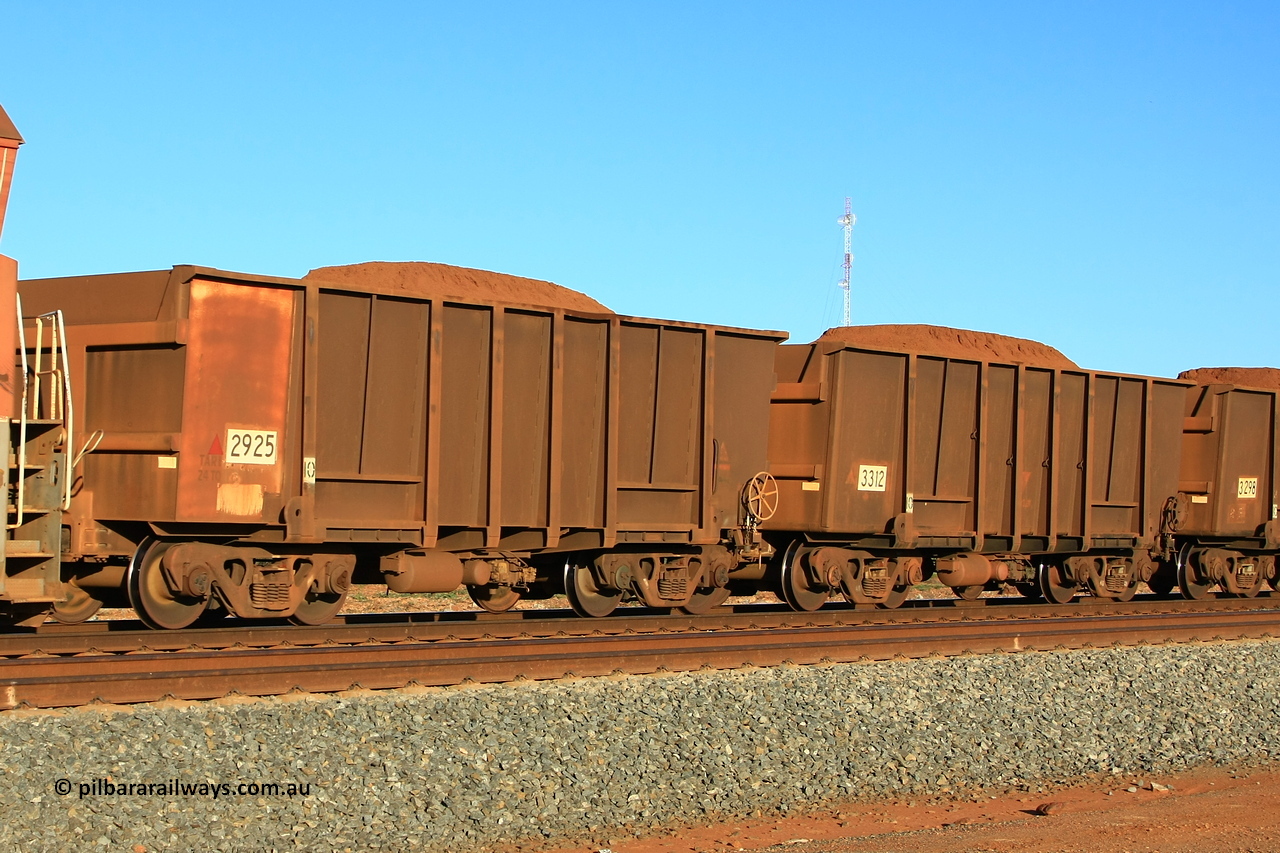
(464, 768)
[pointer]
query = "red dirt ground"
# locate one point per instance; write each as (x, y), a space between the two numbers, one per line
(419, 278)
(1219, 809)
(1252, 377)
(952, 343)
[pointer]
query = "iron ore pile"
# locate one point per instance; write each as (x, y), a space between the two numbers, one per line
(470, 768)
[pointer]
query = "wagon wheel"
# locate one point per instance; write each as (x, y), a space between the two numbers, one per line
(494, 598)
(969, 593)
(760, 497)
(78, 606)
(319, 607)
(794, 585)
(706, 599)
(1188, 581)
(585, 595)
(1054, 585)
(149, 594)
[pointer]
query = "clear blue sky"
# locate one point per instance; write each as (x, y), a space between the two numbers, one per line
(1101, 176)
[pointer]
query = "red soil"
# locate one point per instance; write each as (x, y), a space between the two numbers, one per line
(1220, 810)
(1250, 377)
(951, 343)
(419, 278)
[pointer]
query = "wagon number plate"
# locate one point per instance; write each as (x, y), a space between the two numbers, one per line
(1248, 487)
(871, 478)
(251, 447)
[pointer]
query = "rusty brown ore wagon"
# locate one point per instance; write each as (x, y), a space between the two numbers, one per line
(195, 442)
(894, 465)
(1225, 514)
(255, 445)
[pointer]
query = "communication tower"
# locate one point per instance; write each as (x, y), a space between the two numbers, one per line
(847, 221)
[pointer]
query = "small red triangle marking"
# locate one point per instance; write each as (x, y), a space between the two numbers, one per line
(215, 449)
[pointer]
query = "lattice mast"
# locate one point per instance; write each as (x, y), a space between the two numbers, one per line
(847, 221)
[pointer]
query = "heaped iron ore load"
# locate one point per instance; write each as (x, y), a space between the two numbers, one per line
(259, 444)
(195, 443)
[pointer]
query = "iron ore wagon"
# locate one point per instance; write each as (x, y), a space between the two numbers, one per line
(255, 445)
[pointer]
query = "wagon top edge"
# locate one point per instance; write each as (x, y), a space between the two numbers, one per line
(831, 347)
(156, 282)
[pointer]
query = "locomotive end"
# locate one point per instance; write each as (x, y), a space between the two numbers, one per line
(9, 142)
(10, 139)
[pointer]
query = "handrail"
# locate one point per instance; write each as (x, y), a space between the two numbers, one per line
(60, 405)
(65, 408)
(21, 460)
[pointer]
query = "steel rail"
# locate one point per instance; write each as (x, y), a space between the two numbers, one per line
(639, 644)
(130, 635)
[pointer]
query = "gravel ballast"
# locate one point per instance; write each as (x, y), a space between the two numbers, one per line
(469, 767)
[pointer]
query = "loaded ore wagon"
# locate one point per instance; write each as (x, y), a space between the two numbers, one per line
(255, 445)
(892, 466)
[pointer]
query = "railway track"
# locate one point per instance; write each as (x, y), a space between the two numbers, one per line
(121, 662)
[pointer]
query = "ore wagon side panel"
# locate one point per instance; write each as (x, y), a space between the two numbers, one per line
(945, 446)
(132, 392)
(1116, 458)
(1164, 450)
(126, 338)
(998, 451)
(691, 429)
(1229, 468)
(371, 369)
(660, 429)
(583, 391)
(931, 452)
(744, 379)
(467, 388)
(1035, 457)
(1071, 427)
(234, 444)
(798, 427)
(192, 410)
(491, 426)
(866, 441)
(526, 415)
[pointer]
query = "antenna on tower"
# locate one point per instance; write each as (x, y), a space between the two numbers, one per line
(847, 221)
